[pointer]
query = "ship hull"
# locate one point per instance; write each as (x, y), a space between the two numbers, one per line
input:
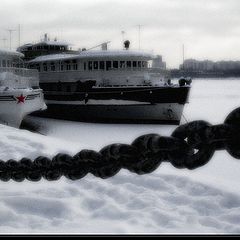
(16, 104)
(142, 113)
(111, 105)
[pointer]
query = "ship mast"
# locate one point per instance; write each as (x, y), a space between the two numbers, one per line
(183, 54)
(10, 37)
(123, 33)
(139, 36)
(19, 35)
(4, 42)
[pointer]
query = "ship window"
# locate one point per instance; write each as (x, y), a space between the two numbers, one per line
(108, 65)
(102, 65)
(122, 64)
(129, 64)
(75, 65)
(45, 67)
(134, 64)
(53, 67)
(51, 88)
(68, 88)
(38, 67)
(139, 64)
(61, 66)
(68, 65)
(59, 86)
(144, 64)
(115, 64)
(95, 65)
(90, 65)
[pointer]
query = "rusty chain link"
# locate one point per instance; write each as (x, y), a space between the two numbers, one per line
(190, 146)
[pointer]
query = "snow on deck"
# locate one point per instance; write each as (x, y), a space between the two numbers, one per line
(169, 200)
(4, 53)
(94, 54)
(54, 43)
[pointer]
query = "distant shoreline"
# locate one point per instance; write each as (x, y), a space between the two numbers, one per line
(220, 75)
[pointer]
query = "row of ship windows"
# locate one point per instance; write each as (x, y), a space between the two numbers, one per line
(44, 47)
(89, 66)
(11, 64)
(6, 63)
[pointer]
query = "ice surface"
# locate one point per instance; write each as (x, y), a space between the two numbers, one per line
(206, 200)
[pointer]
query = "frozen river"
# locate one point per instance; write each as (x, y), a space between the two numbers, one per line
(206, 200)
(210, 100)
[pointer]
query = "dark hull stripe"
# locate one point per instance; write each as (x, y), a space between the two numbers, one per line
(105, 120)
(7, 97)
(12, 98)
(152, 95)
(34, 95)
(111, 114)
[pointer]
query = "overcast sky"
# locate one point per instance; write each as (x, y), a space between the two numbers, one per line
(209, 29)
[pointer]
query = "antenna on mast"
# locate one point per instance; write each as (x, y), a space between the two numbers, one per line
(123, 32)
(19, 35)
(183, 54)
(103, 45)
(4, 42)
(10, 37)
(139, 35)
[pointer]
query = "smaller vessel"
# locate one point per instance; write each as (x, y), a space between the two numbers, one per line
(19, 89)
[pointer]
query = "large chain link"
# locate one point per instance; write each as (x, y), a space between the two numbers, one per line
(190, 146)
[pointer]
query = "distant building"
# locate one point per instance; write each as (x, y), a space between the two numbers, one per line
(157, 62)
(227, 65)
(207, 65)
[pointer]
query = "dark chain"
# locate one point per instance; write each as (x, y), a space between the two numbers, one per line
(190, 146)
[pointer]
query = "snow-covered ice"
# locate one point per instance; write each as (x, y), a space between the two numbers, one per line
(206, 200)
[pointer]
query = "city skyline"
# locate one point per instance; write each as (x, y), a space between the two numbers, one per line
(208, 29)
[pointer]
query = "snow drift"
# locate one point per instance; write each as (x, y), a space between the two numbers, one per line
(206, 200)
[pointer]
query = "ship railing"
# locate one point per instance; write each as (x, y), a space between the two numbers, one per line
(145, 69)
(19, 77)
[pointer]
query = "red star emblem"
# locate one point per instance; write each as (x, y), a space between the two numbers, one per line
(21, 99)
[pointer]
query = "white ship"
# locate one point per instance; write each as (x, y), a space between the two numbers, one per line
(105, 85)
(19, 89)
